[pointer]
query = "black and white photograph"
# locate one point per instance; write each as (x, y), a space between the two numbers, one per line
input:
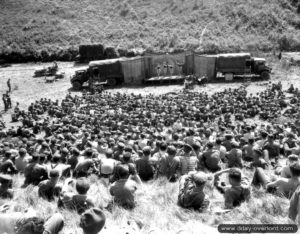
(149, 116)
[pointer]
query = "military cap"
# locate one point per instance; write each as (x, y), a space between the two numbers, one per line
(235, 173)
(75, 151)
(291, 135)
(8, 153)
(171, 150)
(64, 151)
(109, 152)
(187, 148)
(234, 144)
(22, 151)
(40, 139)
(121, 145)
(199, 178)
(82, 185)
(54, 174)
(293, 157)
(147, 150)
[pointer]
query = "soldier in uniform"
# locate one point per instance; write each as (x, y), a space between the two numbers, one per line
(5, 103)
(9, 85)
(8, 100)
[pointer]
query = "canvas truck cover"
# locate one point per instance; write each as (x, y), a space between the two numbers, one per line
(91, 51)
(205, 65)
(189, 64)
(104, 62)
(133, 70)
(232, 62)
(166, 64)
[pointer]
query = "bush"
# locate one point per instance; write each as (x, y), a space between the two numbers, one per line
(159, 25)
(110, 53)
(289, 42)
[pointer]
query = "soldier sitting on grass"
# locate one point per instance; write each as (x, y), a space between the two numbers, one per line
(5, 188)
(237, 192)
(280, 186)
(258, 160)
(48, 188)
(6, 165)
(123, 190)
(79, 200)
(294, 206)
(211, 159)
(34, 172)
(234, 156)
(22, 160)
(86, 166)
(146, 167)
(191, 194)
(285, 171)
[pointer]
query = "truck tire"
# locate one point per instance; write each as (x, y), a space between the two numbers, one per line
(111, 81)
(265, 75)
(77, 85)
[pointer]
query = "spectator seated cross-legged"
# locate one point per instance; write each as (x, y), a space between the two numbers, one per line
(79, 200)
(191, 194)
(281, 186)
(237, 192)
(123, 190)
(49, 188)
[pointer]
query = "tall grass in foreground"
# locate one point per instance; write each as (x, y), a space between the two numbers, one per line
(157, 210)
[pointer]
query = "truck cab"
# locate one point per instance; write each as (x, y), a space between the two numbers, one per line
(108, 72)
(260, 67)
(79, 78)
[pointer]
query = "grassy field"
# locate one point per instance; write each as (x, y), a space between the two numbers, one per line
(157, 211)
(45, 28)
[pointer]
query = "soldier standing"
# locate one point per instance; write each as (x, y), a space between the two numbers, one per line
(9, 85)
(4, 98)
(8, 100)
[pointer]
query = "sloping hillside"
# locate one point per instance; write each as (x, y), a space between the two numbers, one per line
(45, 27)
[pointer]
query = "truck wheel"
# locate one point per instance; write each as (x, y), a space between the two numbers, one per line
(265, 75)
(111, 81)
(76, 85)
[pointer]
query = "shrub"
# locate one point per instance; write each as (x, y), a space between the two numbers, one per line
(110, 53)
(237, 25)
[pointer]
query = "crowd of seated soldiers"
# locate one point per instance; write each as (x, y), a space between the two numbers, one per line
(129, 139)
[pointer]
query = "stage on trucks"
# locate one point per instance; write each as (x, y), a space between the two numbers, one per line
(153, 68)
(136, 70)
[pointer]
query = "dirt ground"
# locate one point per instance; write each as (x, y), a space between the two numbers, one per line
(26, 89)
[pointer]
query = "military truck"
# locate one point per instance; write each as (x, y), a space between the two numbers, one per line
(49, 71)
(80, 77)
(227, 66)
(233, 65)
(108, 70)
